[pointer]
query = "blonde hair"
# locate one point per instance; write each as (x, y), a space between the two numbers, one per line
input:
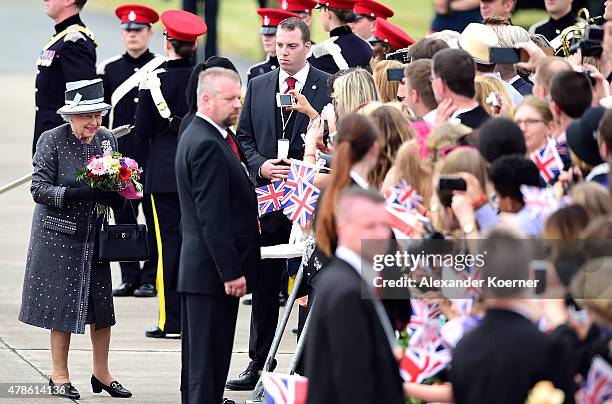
(352, 89)
(593, 197)
(444, 137)
(540, 105)
(414, 169)
(394, 130)
(387, 90)
(591, 287)
(484, 86)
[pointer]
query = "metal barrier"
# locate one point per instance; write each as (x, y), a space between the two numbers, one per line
(119, 132)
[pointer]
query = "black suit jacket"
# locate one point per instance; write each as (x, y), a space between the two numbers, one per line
(219, 212)
(257, 129)
(348, 358)
(504, 357)
(523, 86)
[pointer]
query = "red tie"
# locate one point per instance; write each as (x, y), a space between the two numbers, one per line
(232, 144)
(290, 83)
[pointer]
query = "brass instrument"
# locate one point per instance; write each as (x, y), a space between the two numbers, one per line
(574, 33)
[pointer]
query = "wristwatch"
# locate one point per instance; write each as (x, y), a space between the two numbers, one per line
(468, 228)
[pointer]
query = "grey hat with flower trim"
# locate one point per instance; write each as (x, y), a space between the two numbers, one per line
(84, 97)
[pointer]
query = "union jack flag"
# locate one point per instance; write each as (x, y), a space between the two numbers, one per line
(423, 327)
(548, 161)
(270, 197)
(540, 202)
(284, 389)
(300, 176)
(598, 385)
(420, 364)
(301, 203)
(404, 195)
(400, 219)
(472, 292)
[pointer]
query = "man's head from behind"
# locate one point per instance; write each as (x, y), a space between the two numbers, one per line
(418, 94)
(292, 44)
(453, 73)
(571, 94)
(360, 216)
(497, 8)
(545, 71)
(219, 95)
(61, 9)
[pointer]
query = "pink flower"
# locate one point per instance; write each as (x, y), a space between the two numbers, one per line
(131, 163)
(97, 167)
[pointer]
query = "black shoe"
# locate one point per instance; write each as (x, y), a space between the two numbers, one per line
(145, 290)
(115, 389)
(66, 390)
(156, 332)
(247, 302)
(125, 289)
(247, 379)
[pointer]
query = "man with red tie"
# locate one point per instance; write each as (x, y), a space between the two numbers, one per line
(262, 127)
(366, 14)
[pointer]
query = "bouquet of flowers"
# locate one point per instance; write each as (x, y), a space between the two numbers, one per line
(113, 172)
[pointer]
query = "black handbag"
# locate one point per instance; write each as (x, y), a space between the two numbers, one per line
(122, 242)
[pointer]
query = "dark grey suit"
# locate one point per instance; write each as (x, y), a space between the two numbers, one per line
(259, 129)
(220, 243)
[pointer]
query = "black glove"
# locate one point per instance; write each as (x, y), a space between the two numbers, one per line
(112, 199)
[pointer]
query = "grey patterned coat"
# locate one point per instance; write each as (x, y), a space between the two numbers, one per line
(58, 277)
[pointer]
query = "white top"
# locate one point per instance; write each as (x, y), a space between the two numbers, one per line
(362, 182)
(213, 123)
(430, 117)
(300, 78)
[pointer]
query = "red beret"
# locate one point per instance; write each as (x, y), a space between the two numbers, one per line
(392, 34)
(338, 4)
(372, 9)
(297, 6)
(271, 17)
(183, 25)
(136, 15)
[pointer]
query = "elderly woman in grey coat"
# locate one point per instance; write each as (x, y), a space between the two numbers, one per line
(65, 286)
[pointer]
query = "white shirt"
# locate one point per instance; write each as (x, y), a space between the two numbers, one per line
(351, 257)
(213, 123)
(430, 117)
(300, 78)
(362, 182)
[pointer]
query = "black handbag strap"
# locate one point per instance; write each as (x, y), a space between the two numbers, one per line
(107, 213)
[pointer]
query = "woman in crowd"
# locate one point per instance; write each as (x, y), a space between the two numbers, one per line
(66, 286)
(535, 119)
(593, 197)
(387, 90)
(394, 130)
(501, 105)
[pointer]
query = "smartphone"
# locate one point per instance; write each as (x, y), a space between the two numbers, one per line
(326, 140)
(594, 33)
(395, 74)
(539, 269)
(284, 100)
(508, 56)
(451, 183)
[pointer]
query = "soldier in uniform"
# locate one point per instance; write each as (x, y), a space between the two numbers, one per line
(270, 18)
(161, 103)
(121, 76)
(366, 13)
(343, 49)
(561, 16)
(388, 37)
(70, 55)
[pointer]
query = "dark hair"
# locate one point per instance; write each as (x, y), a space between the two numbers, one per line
(497, 20)
(293, 23)
(80, 3)
(418, 75)
(457, 69)
(191, 92)
(508, 173)
(183, 49)
(426, 48)
(345, 15)
(572, 92)
(499, 137)
(356, 134)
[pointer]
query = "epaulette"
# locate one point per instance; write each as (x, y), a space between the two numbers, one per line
(73, 34)
(537, 25)
(101, 69)
(325, 47)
